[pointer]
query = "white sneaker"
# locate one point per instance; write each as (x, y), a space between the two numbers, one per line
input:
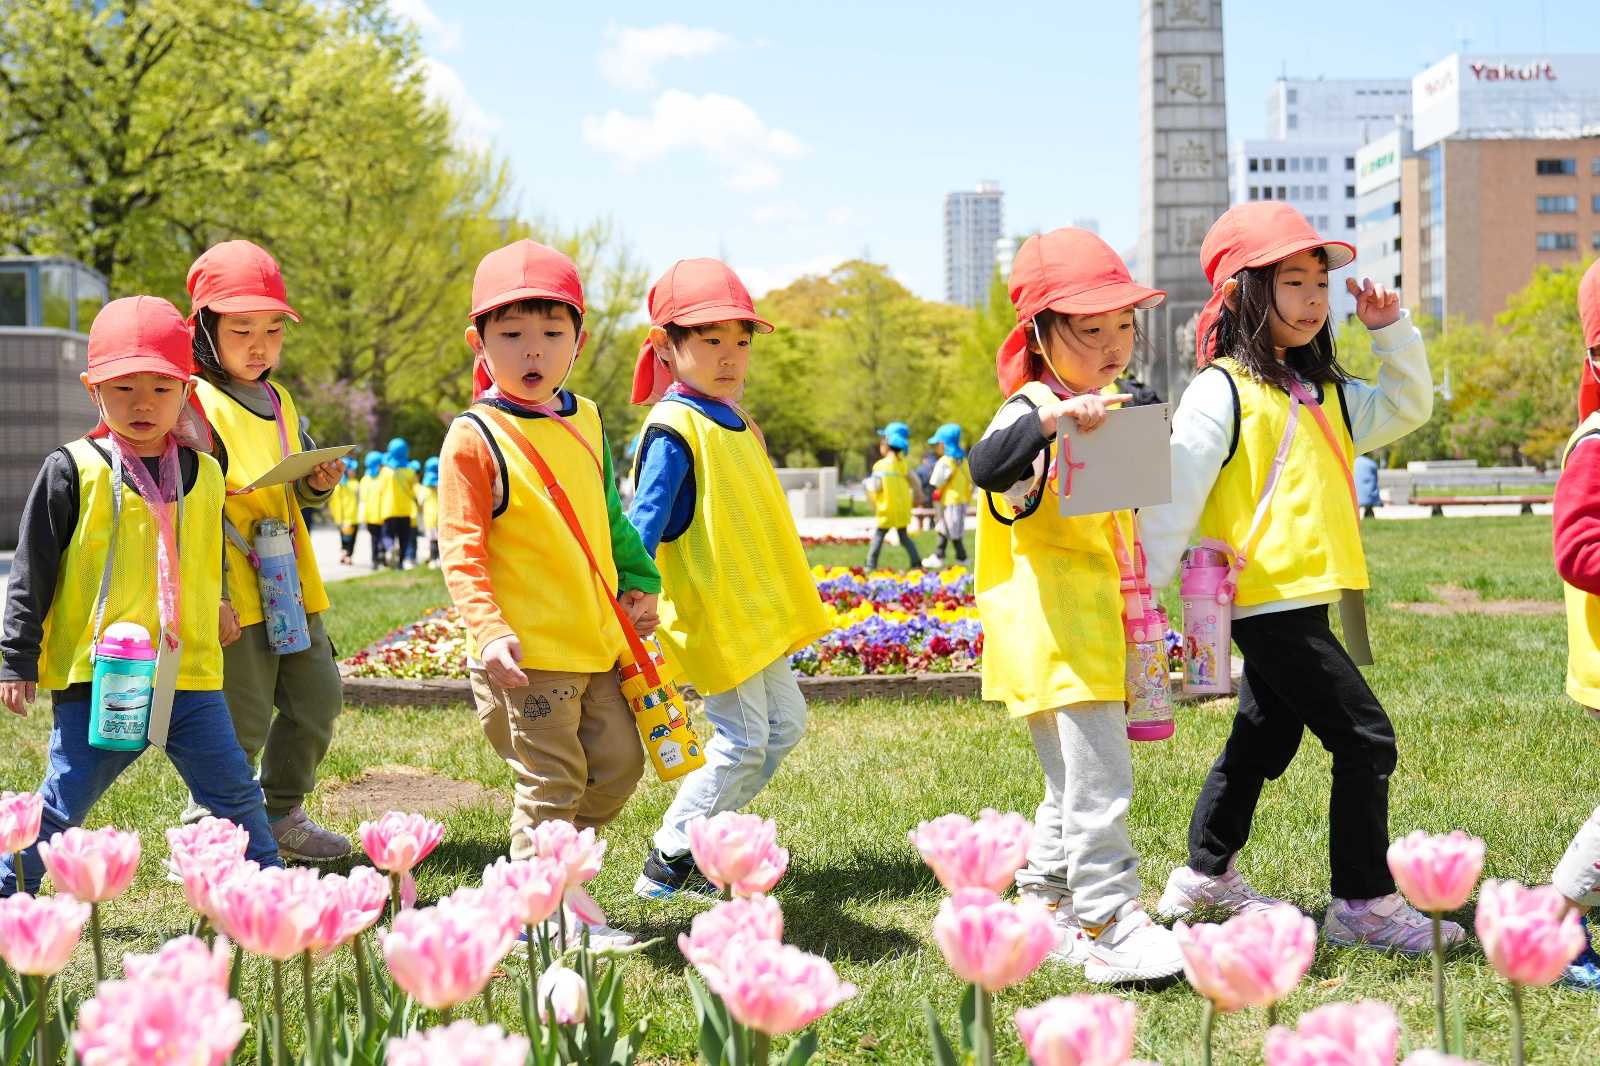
(1387, 923)
(601, 937)
(932, 562)
(1072, 943)
(1188, 888)
(1132, 948)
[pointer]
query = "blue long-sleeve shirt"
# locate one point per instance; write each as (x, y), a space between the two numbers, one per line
(663, 498)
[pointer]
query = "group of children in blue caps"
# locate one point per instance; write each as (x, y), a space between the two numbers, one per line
(396, 501)
(892, 487)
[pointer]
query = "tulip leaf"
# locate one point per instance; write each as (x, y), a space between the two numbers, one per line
(801, 1050)
(943, 1053)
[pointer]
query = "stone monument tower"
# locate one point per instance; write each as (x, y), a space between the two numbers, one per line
(1183, 173)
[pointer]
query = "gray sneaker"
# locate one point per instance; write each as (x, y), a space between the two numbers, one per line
(303, 840)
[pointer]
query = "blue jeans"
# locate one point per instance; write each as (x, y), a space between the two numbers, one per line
(756, 726)
(200, 743)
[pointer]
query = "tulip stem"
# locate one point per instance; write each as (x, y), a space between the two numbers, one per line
(280, 1052)
(94, 936)
(394, 896)
(363, 982)
(760, 1047)
(1516, 1024)
(488, 1002)
(1207, 1021)
(16, 868)
(1438, 982)
(41, 1043)
(533, 967)
(1272, 1014)
(447, 1015)
(307, 965)
(983, 1028)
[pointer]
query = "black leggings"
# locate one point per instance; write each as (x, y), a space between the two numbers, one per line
(401, 535)
(375, 532)
(878, 536)
(1297, 676)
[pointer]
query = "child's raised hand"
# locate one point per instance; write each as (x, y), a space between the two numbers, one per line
(501, 660)
(16, 695)
(1088, 410)
(227, 624)
(326, 476)
(1376, 305)
(641, 610)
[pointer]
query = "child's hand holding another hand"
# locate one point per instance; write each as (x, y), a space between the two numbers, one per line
(641, 611)
(16, 695)
(1088, 410)
(501, 660)
(227, 624)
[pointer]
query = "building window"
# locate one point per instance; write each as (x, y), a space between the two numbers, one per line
(1255, 192)
(1349, 222)
(1294, 192)
(1558, 205)
(1555, 166)
(1294, 165)
(1255, 164)
(1349, 162)
(1397, 244)
(1281, 193)
(1294, 96)
(1322, 165)
(1280, 166)
(1322, 192)
(1349, 192)
(1594, 166)
(1294, 121)
(1595, 204)
(1594, 241)
(1556, 242)
(13, 298)
(1266, 192)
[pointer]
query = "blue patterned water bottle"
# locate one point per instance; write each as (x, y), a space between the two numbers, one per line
(283, 606)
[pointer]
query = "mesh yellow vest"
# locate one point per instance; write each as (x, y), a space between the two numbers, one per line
(892, 504)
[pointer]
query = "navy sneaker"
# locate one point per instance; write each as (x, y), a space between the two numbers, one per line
(1583, 972)
(664, 878)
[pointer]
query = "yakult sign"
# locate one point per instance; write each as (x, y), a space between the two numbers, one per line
(1506, 96)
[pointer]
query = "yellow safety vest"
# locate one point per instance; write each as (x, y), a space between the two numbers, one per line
(69, 625)
(736, 592)
(371, 501)
(344, 506)
(253, 449)
(542, 581)
(1311, 540)
(397, 492)
(1049, 594)
(1583, 613)
(892, 501)
(957, 489)
(428, 508)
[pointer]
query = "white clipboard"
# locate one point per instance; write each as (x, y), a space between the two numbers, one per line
(298, 466)
(1124, 463)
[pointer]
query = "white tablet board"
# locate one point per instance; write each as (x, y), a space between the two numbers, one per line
(298, 466)
(1125, 462)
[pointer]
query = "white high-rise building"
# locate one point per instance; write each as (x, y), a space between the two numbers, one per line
(1315, 128)
(973, 223)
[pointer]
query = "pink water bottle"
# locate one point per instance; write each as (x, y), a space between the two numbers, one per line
(1207, 621)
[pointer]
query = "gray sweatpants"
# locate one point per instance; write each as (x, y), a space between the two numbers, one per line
(1081, 850)
(1577, 875)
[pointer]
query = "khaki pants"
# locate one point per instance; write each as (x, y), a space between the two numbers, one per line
(570, 742)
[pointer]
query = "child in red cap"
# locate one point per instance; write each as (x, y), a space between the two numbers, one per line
(238, 307)
(124, 525)
(542, 637)
(1274, 397)
(737, 596)
(1049, 591)
(1577, 534)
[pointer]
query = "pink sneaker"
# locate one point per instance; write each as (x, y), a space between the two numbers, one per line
(1188, 888)
(1386, 923)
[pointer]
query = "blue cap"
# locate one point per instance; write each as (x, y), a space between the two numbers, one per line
(399, 453)
(374, 463)
(430, 472)
(350, 464)
(898, 434)
(949, 435)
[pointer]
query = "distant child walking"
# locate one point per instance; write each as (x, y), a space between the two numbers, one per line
(125, 526)
(344, 510)
(543, 637)
(889, 489)
(428, 507)
(1262, 446)
(282, 681)
(952, 492)
(372, 504)
(397, 485)
(737, 595)
(1049, 590)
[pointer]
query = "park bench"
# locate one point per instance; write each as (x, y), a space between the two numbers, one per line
(1439, 503)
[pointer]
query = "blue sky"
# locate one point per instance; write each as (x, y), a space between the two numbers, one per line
(787, 137)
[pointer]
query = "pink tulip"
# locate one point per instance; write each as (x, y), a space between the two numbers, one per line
(93, 866)
(38, 935)
(20, 813)
(134, 1023)
(1529, 934)
(489, 905)
(350, 905)
(185, 960)
(1341, 1034)
(205, 843)
(443, 957)
(991, 943)
(982, 854)
(1252, 960)
(738, 852)
(1079, 1031)
(274, 912)
(207, 871)
(776, 988)
(397, 842)
(578, 854)
(535, 886)
(732, 923)
(1436, 873)
(563, 993)
(458, 1044)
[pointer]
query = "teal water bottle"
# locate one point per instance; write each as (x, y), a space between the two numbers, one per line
(124, 682)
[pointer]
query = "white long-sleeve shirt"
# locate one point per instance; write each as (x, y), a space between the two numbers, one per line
(1202, 433)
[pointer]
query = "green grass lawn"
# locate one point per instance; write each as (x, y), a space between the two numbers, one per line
(1488, 743)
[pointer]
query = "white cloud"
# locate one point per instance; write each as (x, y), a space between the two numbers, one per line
(762, 280)
(446, 36)
(720, 126)
(632, 53)
(474, 125)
